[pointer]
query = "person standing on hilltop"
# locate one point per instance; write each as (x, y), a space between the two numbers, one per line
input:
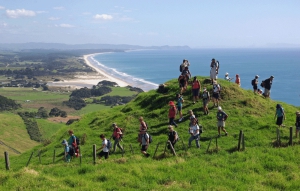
(280, 115)
(182, 83)
(117, 133)
(267, 85)
(172, 114)
(221, 117)
(227, 77)
(205, 100)
(186, 72)
(238, 80)
(254, 83)
(196, 86)
(214, 70)
(185, 63)
(216, 93)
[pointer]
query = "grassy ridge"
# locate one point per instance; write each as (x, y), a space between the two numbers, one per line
(260, 167)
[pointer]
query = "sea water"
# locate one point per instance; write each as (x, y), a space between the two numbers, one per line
(147, 69)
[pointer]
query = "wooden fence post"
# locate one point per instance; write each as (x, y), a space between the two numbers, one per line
(208, 145)
(156, 149)
(291, 136)
(94, 153)
(29, 159)
(243, 142)
(7, 164)
(240, 139)
(54, 155)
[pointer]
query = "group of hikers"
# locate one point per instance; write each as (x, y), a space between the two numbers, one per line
(195, 129)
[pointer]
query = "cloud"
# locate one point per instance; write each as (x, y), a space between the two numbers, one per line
(65, 26)
(19, 13)
(2, 7)
(40, 12)
(58, 8)
(54, 18)
(3, 25)
(103, 17)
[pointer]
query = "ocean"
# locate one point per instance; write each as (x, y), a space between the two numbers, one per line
(147, 69)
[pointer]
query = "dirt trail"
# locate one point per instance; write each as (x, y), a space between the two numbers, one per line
(14, 150)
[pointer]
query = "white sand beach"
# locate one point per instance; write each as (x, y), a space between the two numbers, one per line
(88, 81)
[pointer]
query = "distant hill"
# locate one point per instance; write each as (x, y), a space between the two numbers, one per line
(61, 46)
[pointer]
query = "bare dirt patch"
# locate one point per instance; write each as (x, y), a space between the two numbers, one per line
(62, 119)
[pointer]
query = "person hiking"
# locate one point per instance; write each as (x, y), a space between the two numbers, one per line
(172, 114)
(254, 83)
(267, 85)
(205, 100)
(145, 144)
(195, 133)
(238, 80)
(214, 70)
(117, 133)
(191, 118)
(143, 128)
(172, 136)
(280, 115)
(67, 156)
(105, 151)
(297, 123)
(182, 83)
(221, 117)
(72, 143)
(186, 72)
(196, 86)
(180, 101)
(185, 63)
(216, 93)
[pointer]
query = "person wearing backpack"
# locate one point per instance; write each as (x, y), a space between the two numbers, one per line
(182, 80)
(72, 143)
(104, 147)
(145, 144)
(254, 83)
(117, 133)
(143, 129)
(280, 115)
(186, 72)
(196, 86)
(172, 136)
(185, 63)
(172, 114)
(67, 153)
(221, 117)
(205, 100)
(267, 85)
(195, 133)
(214, 70)
(216, 93)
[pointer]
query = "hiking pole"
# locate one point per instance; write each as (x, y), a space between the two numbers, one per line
(172, 148)
(156, 150)
(94, 153)
(166, 147)
(208, 145)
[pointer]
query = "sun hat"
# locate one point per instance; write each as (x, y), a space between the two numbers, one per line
(257, 76)
(64, 142)
(226, 74)
(219, 108)
(171, 103)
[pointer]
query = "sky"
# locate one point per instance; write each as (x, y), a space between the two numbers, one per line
(194, 23)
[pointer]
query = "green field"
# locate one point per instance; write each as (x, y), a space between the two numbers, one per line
(261, 166)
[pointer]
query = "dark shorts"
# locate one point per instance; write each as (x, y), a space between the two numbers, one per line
(144, 147)
(195, 92)
(216, 95)
(105, 154)
(205, 102)
(181, 85)
(279, 120)
(255, 87)
(179, 108)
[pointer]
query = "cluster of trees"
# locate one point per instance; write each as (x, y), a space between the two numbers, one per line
(7, 104)
(57, 113)
(86, 93)
(114, 100)
(75, 102)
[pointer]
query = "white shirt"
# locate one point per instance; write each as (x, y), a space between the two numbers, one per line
(193, 129)
(104, 142)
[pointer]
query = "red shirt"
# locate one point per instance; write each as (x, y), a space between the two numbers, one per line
(196, 84)
(116, 134)
(172, 112)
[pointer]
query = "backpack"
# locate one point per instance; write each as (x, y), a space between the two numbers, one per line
(262, 84)
(180, 68)
(205, 96)
(218, 64)
(150, 137)
(176, 134)
(71, 151)
(108, 145)
(217, 86)
(77, 141)
(253, 82)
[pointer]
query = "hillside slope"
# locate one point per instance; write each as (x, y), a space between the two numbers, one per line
(260, 167)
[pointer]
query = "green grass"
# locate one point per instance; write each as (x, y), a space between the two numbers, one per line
(260, 167)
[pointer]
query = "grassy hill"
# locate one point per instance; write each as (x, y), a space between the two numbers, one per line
(262, 166)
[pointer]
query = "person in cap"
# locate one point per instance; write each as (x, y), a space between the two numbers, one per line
(221, 117)
(227, 77)
(267, 85)
(216, 93)
(297, 123)
(214, 70)
(205, 100)
(104, 150)
(191, 118)
(238, 80)
(67, 153)
(280, 115)
(117, 137)
(254, 84)
(172, 113)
